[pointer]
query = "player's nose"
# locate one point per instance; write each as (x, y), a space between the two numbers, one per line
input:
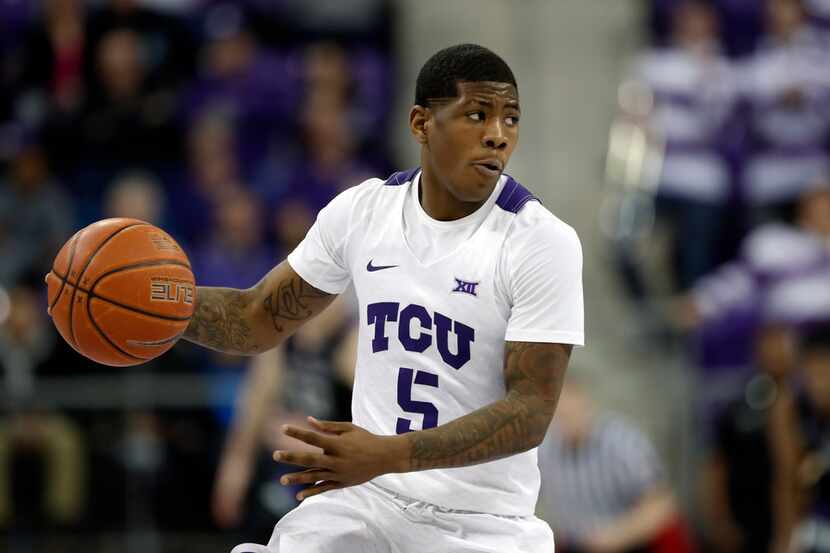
(494, 136)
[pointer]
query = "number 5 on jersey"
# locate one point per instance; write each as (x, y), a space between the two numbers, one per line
(406, 379)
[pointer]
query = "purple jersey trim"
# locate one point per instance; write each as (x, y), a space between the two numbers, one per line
(401, 177)
(514, 196)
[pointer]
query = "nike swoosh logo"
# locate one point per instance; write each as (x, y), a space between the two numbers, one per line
(372, 268)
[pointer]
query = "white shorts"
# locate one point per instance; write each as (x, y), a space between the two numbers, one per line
(371, 519)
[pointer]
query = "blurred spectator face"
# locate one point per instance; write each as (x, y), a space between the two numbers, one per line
(238, 223)
(574, 413)
(120, 65)
(25, 320)
(230, 49)
(292, 220)
(326, 68)
(217, 176)
(776, 350)
(325, 128)
(211, 135)
(816, 365)
(694, 24)
(212, 156)
(231, 56)
(29, 170)
(784, 17)
(814, 211)
(136, 196)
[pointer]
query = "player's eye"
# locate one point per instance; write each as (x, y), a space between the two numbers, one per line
(512, 120)
(476, 115)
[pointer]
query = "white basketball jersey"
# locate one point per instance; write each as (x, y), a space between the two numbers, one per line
(432, 332)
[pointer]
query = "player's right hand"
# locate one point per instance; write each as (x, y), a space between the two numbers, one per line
(350, 455)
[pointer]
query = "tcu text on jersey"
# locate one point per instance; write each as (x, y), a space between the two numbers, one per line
(380, 313)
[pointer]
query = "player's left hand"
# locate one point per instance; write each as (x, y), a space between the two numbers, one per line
(350, 455)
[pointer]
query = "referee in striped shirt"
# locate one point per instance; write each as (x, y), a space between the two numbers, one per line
(603, 488)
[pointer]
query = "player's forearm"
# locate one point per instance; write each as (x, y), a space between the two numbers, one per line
(503, 428)
(534, 373)
(247, 322)
(223, 320)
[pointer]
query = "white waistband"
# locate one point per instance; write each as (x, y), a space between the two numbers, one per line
(437, 508)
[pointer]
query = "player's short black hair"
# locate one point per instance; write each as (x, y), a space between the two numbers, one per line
(440, 75)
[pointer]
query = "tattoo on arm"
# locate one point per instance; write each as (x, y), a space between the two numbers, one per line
(251, 321)
(219, 321)
(534, 373)
(290, 302)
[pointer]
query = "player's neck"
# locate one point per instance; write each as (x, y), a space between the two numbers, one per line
(437, 201)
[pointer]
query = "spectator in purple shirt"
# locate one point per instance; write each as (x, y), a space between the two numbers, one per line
(357, 78)
(236, 253)
(290, 222)
(694, 92)
(212, 174)
(256, 89)
(330, 163)
(818, 15)
(787, 87)
(782, 274)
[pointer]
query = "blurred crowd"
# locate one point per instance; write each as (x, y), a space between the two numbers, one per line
(229, 124)
(719, 162)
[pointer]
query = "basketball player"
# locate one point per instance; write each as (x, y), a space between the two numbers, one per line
(470, 300)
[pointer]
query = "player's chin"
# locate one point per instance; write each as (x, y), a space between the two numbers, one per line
(474, 193)
(479, 185)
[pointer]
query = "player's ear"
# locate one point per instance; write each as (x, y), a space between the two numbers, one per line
(419, 117)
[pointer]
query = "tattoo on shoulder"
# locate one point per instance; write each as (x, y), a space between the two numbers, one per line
(291, 302)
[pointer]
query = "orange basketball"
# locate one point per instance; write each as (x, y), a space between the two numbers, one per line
(121, 292)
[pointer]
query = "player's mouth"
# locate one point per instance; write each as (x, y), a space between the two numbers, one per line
(490, 167)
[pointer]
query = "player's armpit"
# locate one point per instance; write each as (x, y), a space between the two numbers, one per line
(534, 373)
(246, 322)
